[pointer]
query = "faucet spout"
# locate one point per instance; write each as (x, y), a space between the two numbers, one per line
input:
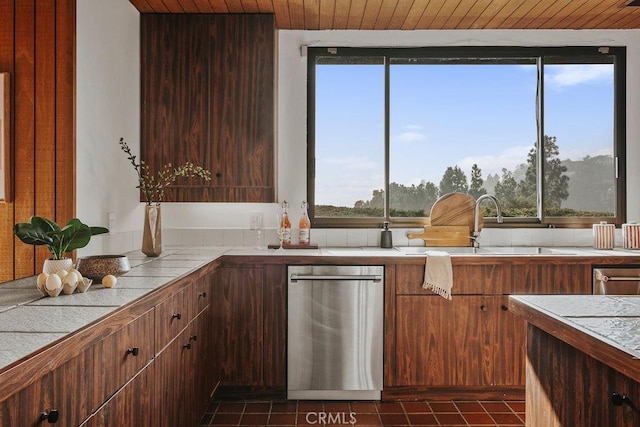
(476, 216)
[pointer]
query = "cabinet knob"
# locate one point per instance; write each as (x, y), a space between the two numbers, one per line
(133, 350)
(202, 294)
(187, 346)
(51, 417)
(193, 338)
(483, 307)
(218, 174)
(176, 316)
(504, 307)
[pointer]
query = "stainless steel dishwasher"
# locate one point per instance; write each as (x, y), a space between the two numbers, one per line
(616, 281)
(335, 332)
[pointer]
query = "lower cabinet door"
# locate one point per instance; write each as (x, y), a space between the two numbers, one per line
(131, 406)
(61, 397)
(444, 343)
(170, 400)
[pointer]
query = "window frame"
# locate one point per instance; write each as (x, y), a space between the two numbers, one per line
(469, 53)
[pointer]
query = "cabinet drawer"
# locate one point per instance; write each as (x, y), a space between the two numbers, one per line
(467, 279)
(121, 355)
(131, 406)
(171, 315)
(63, 396)
(200, 295)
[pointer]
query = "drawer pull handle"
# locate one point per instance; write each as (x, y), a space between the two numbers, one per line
(187, 346)
(133, 350)
(483, 307)
(176, 316)
(193, 338)
(51, 417)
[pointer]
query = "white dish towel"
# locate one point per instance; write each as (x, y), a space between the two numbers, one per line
(438, 274)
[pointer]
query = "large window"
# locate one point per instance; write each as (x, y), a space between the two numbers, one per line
(391, 130)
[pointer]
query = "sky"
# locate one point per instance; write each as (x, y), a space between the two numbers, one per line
(448, 115)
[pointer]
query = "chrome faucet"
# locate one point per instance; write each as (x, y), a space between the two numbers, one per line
(476, 217)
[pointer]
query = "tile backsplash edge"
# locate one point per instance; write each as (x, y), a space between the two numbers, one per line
(334, 237)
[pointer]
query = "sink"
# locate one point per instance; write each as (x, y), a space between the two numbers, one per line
(420, 250)
(526, 250)
(487, 250)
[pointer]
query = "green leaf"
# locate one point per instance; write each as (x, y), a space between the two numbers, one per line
(42, 231)
(98, 230)
(31, 235)
(44, 224)
(75, 235)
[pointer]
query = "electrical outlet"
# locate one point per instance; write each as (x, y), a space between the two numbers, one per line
(112, 222)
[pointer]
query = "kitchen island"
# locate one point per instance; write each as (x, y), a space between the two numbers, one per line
(583, 359)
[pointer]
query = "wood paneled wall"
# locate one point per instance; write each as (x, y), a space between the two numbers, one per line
(37, 47)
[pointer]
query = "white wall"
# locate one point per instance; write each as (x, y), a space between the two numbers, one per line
(108, 108)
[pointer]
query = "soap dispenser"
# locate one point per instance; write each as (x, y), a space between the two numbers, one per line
(385, 236)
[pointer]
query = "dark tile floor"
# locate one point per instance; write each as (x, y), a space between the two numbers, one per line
(363, 413)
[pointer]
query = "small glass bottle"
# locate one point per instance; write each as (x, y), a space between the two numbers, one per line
(304, 236)
(285, 224)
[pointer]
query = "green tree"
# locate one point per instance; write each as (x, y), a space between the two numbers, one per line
(453, 180)
(476, 189)
(556, 182)
(377, 200)
(506, 189)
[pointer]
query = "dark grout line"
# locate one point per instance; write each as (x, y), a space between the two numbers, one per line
(394, 412)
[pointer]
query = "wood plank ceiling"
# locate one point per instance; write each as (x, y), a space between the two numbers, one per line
(418, 14)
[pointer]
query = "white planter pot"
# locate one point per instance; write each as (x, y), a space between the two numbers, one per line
(54, 265)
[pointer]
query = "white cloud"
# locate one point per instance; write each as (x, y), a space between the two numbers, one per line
(412, 133)
(571, 75)
(347, 179)
(410, 136)
(493, 163)
(581, 153)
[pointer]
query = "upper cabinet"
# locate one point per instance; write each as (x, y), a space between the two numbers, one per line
(208, 97)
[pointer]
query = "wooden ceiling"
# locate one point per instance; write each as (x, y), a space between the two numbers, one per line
(418, 14)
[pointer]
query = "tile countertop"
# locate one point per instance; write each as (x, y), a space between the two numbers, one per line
(606, 327)
(29, 321)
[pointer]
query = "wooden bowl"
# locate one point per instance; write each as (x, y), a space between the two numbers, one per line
(97, 266)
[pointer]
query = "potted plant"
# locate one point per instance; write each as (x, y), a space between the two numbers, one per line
(59, 240)
(152, 187)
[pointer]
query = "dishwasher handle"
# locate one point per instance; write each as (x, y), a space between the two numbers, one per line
(604, 278)
(344, 277)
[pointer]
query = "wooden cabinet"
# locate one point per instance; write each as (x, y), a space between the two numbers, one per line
(183, 389)
(171, 317)
(122, 355)
(185, 379)
(208, 97)
(77, 388)
(146, 364)
(442, 342)
(469, 341)
(238, 318)
(568, 387)
(509, 350)
(472, 343)
(64, 395)
(249, 319)
(552, 277)
(131, 406)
